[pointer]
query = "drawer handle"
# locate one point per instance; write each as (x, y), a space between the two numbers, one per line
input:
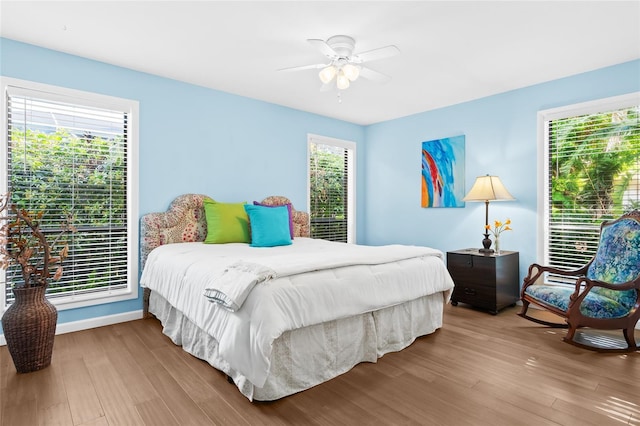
(469, 291)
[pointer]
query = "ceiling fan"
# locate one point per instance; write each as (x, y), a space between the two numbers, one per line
(344, 65)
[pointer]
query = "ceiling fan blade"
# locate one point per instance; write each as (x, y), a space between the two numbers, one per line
(323, 47)
(372, 75)
(304, 67)
(376, 54)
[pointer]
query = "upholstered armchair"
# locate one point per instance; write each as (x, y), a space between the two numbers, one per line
(606, 292)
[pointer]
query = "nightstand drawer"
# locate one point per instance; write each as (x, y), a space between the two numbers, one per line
(480, 296)
(477, 269)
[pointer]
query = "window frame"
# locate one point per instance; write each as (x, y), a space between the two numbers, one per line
(544, 117)
(350, 146)
(64, 94)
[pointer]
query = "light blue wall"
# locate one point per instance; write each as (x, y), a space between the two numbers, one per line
(192, 139)
(501, 139)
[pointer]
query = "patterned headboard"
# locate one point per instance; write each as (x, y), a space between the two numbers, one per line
(184, 221)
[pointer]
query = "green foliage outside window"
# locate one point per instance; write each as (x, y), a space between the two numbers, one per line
(594, 176)
(593, 160)
(328, 186)
(328, 192)
(60, 173)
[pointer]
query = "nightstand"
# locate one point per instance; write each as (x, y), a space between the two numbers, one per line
(486, 281)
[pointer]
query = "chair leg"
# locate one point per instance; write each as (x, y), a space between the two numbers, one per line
(525, 307)
(523, 314)
(571, 332)
(629, 337)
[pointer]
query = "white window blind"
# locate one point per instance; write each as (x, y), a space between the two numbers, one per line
(331, 187)
(593, 161)
(66, 155)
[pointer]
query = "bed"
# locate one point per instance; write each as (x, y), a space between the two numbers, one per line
(307, 311)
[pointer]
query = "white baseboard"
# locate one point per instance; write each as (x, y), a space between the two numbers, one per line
(70, 327)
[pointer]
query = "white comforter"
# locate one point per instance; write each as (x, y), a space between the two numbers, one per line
(314, 281)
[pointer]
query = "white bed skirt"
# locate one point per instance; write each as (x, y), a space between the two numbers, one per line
(306, 357)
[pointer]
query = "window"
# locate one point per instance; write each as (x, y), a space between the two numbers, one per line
(591, 173)
(70, 152)
(332, 188)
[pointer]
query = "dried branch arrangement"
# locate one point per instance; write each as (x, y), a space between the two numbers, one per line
(23, 242)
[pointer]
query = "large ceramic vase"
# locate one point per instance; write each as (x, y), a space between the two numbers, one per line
(29, 326)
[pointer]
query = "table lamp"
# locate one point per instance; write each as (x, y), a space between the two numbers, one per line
(487, 188)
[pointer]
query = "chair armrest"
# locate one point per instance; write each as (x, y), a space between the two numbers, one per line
(589, 284)
(584, 285)
(535, 270)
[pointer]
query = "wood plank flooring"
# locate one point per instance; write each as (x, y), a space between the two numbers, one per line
(478, 369)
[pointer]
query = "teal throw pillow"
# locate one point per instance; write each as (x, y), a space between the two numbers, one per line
(269, 225)
(291, 226)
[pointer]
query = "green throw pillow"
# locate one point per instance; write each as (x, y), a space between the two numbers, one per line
(226, 222)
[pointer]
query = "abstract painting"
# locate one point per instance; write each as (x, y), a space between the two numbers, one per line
(443, 172)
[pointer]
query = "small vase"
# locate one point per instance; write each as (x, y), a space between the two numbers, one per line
(29, 326)
(497, 245)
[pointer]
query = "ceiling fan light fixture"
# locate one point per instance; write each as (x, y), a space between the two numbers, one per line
(344, 65)
(351, 72)
(342, 81)
(327, 74)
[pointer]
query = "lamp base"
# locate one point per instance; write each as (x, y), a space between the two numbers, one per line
(486, 243)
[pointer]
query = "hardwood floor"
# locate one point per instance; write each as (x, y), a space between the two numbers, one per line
(478, 370)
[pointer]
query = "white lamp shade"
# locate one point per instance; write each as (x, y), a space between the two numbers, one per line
(488, 188)
(327, 74)
(342, 81)
(351, 71)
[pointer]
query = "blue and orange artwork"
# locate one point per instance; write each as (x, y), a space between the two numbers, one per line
(443, 172)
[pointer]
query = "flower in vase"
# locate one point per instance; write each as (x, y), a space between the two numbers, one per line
(499, 227)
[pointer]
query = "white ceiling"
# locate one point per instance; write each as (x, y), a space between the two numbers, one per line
(451, 51)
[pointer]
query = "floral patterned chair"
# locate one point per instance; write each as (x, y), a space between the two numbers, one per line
(606, 293)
